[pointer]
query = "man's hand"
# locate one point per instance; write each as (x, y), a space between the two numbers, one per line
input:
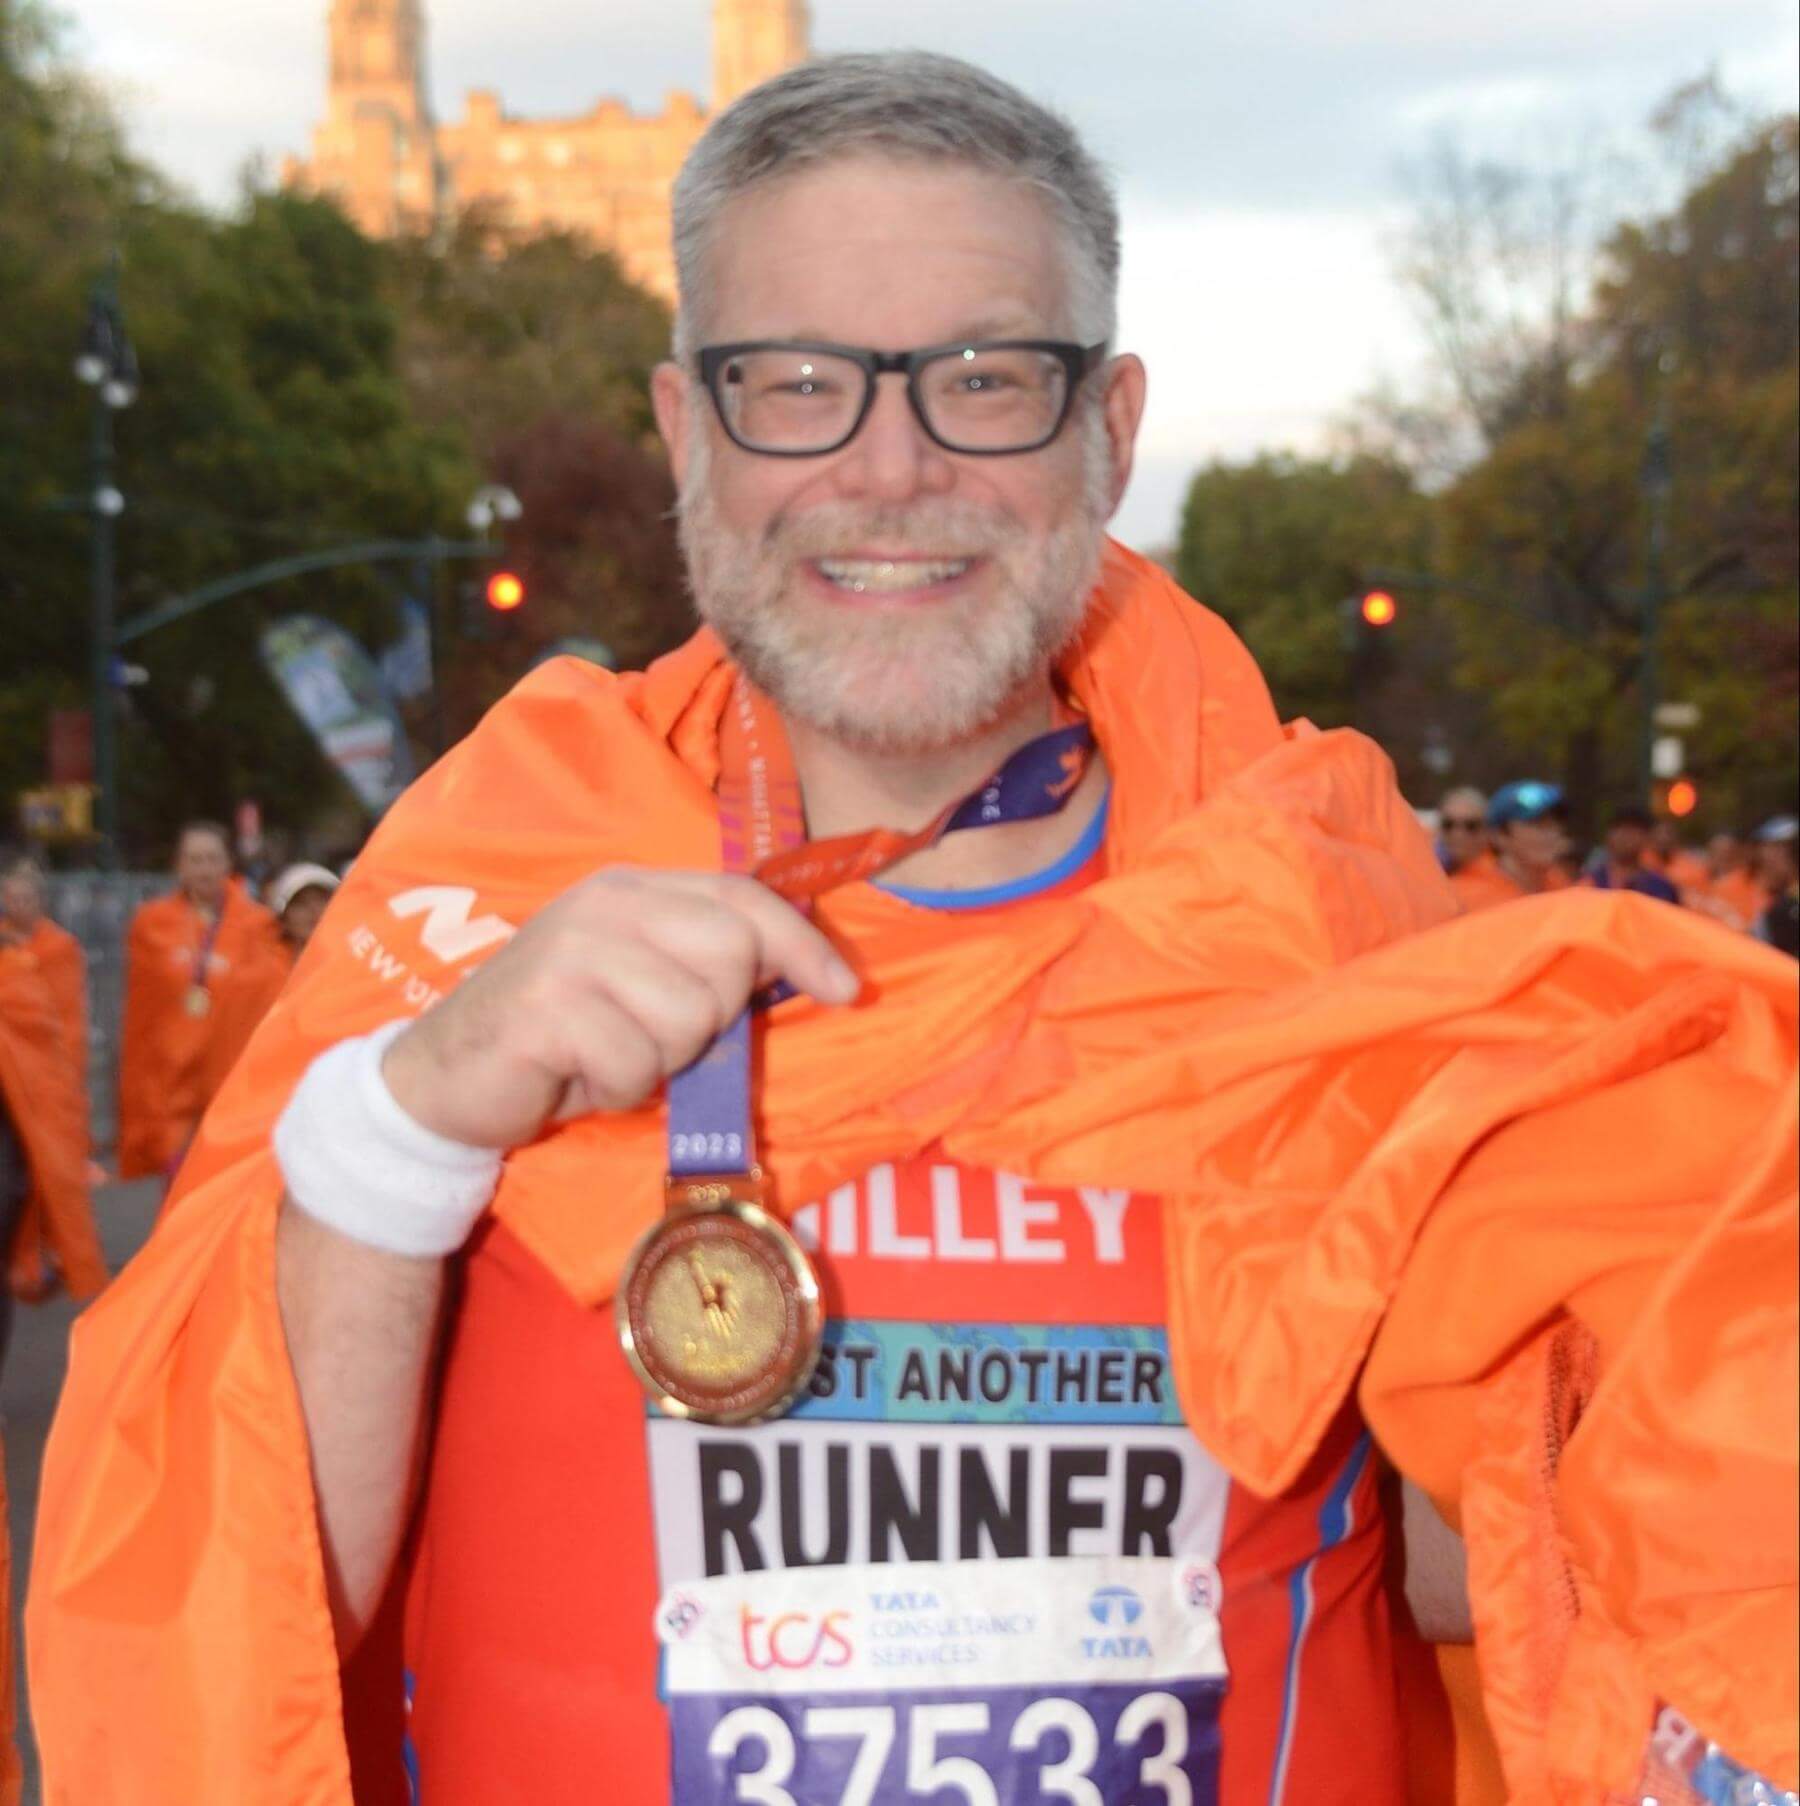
(618, 984)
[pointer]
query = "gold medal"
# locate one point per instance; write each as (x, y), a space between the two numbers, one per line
(198, 1000)
(718, 1306)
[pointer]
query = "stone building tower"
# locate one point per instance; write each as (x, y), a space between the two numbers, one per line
(377, 147)
(605, 174)
(753, 40)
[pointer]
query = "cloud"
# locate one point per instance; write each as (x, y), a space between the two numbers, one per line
(1258, 142)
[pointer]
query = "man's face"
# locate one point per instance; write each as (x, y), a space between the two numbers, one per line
(1724, 853)
(1776, 865)
(1535, 845)
(202, 866)
(21, 901)
(1461, 823)
(1625, 843)
(895, 595)
(302, 915)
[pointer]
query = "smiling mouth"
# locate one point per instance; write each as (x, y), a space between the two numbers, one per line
(890, 576)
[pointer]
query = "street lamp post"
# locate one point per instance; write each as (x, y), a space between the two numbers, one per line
(1655, 480)
(107, 364)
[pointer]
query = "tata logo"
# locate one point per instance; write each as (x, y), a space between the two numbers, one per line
(448, 932)
(795, 1640)
(1113, 1608)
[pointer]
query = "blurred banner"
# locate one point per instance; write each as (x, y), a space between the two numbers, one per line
(406, 663)
(336, 689)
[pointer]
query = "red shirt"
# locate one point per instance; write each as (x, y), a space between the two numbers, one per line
(966, 1536)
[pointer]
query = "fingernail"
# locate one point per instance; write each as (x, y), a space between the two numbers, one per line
(845, 985)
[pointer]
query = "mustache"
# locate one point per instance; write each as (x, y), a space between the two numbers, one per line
(930, 528)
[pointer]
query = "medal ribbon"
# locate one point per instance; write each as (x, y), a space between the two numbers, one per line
(762, 829)
(203, 958)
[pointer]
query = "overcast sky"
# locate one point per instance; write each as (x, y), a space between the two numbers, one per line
(1259, 145)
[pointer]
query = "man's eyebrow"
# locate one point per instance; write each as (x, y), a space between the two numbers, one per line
(994, 326)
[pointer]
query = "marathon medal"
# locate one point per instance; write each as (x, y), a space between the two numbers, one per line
(198, 1001)
(718, 1306)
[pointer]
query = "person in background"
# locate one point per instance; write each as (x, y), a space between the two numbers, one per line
(1735, 893)
(1682, 866)
(26, 927)
(46, 1220)
(1462, 828)
(1528, 831)
(1779, 923)
(191, 957)
(1621, 865)
(298, 898)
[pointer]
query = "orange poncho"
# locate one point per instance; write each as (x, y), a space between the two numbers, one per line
(1523, 1177)
(40, 1084)
(171, 1061)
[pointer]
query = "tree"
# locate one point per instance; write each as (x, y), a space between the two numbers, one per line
(1277, 545)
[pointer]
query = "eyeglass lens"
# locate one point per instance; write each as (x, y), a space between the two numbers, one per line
(978, 399)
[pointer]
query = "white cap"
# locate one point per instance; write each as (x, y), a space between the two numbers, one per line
(296, 879)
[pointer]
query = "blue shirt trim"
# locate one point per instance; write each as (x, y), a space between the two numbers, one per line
(1018, 889)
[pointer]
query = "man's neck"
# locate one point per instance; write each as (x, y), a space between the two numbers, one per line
(847, 790)
(1528, 877)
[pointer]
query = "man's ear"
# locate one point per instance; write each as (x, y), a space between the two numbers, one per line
(1127, 385)
(672, 398)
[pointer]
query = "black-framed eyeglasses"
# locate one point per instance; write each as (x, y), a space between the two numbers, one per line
(1473, 825)
(984, 398)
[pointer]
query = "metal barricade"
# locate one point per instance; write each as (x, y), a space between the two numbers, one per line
(96, 907)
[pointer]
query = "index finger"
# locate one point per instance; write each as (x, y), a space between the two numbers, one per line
(788, 945)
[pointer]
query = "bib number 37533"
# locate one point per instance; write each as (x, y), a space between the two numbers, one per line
(1018, 1683)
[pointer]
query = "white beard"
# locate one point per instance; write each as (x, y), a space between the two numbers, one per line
(896, 682)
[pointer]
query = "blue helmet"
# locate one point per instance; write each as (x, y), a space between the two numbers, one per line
(1527, 800)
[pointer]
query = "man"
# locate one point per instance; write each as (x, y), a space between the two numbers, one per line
(190, 959)
(1684, 868)
(54, 1231)
(1527, 827)
(1462, 828)
(297, 899)
(1779, 869)
(1735, 892)
(46, 1222)
(1111, 1177)
(1622, 866)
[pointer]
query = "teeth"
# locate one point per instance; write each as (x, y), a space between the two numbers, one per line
(864, 576)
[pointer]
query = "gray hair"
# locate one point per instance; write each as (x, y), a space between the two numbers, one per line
(913, 106)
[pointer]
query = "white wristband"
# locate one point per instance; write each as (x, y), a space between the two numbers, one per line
(356, 1162)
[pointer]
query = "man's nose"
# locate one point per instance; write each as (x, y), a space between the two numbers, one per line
(892, 458)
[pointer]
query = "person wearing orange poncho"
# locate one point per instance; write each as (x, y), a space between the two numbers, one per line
(1173, 1159)
(1528, 828)
(46, 1219)
(192, 958)
(37, 942)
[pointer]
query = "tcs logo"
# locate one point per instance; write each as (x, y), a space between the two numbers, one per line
(795, 1640)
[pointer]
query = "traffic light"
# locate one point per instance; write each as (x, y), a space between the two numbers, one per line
(1683, 798)
(505, 592)
(1379, 609)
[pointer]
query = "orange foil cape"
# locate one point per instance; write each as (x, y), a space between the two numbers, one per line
(41, 1085)
(1525, 1176)
(171, 1063)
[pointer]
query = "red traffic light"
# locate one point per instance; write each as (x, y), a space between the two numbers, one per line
(1379, 609)
(1684, 797)
(505, 591)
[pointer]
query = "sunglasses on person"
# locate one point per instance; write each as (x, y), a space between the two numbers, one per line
(984, 398)
(1464, 824)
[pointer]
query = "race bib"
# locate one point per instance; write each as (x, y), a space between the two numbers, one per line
(976, 1683)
